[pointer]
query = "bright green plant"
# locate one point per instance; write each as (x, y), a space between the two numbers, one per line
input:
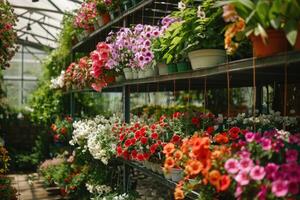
(261, 15)
(198, 28)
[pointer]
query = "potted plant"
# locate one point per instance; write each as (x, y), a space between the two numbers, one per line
(270, 25)
(86, 17)
(197, 35)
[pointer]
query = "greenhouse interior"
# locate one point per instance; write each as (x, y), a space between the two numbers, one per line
(149, 99)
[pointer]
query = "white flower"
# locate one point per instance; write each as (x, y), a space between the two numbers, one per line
(200, 13)
(181, 5)
(58, 82)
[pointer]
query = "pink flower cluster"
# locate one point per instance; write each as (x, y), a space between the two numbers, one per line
(282, 180)
(99, 58)
(86, 16)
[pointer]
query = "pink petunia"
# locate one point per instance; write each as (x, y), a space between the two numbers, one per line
(266, 144)
(246, 164)
(249, 136)
(280, 188)
(257, 173)
(262, 194)
(238, 191)
(242, 178)
(270, 170)
(232, 166)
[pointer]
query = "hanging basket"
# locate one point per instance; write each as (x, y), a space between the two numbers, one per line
(205, 58)
(275, 43)
(128, 73)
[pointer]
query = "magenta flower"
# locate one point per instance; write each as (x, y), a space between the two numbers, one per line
(291, 155)
(246, 164)
(262, 194)
(244, 154)
(232, 166)
(280, 188)
(238, 191)
(250, 136)
(270, 170)
(242, 178)
(266, 144)
(293, 188)
(257, 173)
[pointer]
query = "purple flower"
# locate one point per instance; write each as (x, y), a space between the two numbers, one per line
(280, 188)
(291, 155)
(147, 43)
(257, 173)
(250, 136)
(266, 144)
(232, 166)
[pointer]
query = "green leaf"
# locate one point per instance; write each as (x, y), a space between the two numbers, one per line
(262, 10)
(176, 40)
(291, 31)
(275, 23)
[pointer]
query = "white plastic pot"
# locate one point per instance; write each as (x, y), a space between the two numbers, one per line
(141, 74)
(128, 73)
(205, 58)
(150, 71)
(162, 69)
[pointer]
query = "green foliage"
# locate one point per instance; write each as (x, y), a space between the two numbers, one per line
(261, 15)
(7, 192)
(191, 32)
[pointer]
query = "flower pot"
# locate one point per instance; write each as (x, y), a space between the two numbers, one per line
(135, 74)
(141, 74)
(128, 73)
(275, 43)
(297, 45)
(172, 68)
(162, 69)
(120, 78)
(183, 67)
(177, 174)
(105, 18)
(150, 71)
(204, 58)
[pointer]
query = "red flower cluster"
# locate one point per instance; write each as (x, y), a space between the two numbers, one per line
(61, 130)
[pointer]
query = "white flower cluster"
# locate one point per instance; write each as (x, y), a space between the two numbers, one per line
(98, 189)
(274, 119)
(120, 197)
(58, 82)
(96, 136)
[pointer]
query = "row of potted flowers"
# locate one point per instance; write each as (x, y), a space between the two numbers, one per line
(93, 14)
(219, 160)
(194, 33)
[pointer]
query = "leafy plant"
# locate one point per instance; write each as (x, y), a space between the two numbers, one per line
(261, 15)
(197, 28)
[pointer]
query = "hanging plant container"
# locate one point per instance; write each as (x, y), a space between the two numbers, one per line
(162, 69)
(172, 68)
(120, 78)
(128, 73)
(276, 43)
(183, 66)
(207, 58)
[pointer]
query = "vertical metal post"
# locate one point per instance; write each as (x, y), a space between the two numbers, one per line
(22, 76)
(126, 110)
(126, 103)
(72, 105)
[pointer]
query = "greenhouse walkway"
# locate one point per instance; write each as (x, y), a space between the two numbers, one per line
(30, 187)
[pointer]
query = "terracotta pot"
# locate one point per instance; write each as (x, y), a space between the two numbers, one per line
(205, 58)
(275, 43)
(105, 18)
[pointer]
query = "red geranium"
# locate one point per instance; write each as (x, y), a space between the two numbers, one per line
(234, 133)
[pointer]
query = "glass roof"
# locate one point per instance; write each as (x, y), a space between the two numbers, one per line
(44, 17)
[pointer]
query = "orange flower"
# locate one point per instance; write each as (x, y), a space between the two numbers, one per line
(178, 193)
(214, 178)
(54, 127)
(169, 149)
(224, 182)
(185, 146)
(169, 163)
(221, 138)
(178, 155)
(193, 167)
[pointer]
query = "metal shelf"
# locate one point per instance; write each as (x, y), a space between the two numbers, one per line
(160, 178)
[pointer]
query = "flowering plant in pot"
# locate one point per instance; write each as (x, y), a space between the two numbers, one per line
(86, 16)
(267, 23)
(198, 28)
(8, 36)
(62, 129)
